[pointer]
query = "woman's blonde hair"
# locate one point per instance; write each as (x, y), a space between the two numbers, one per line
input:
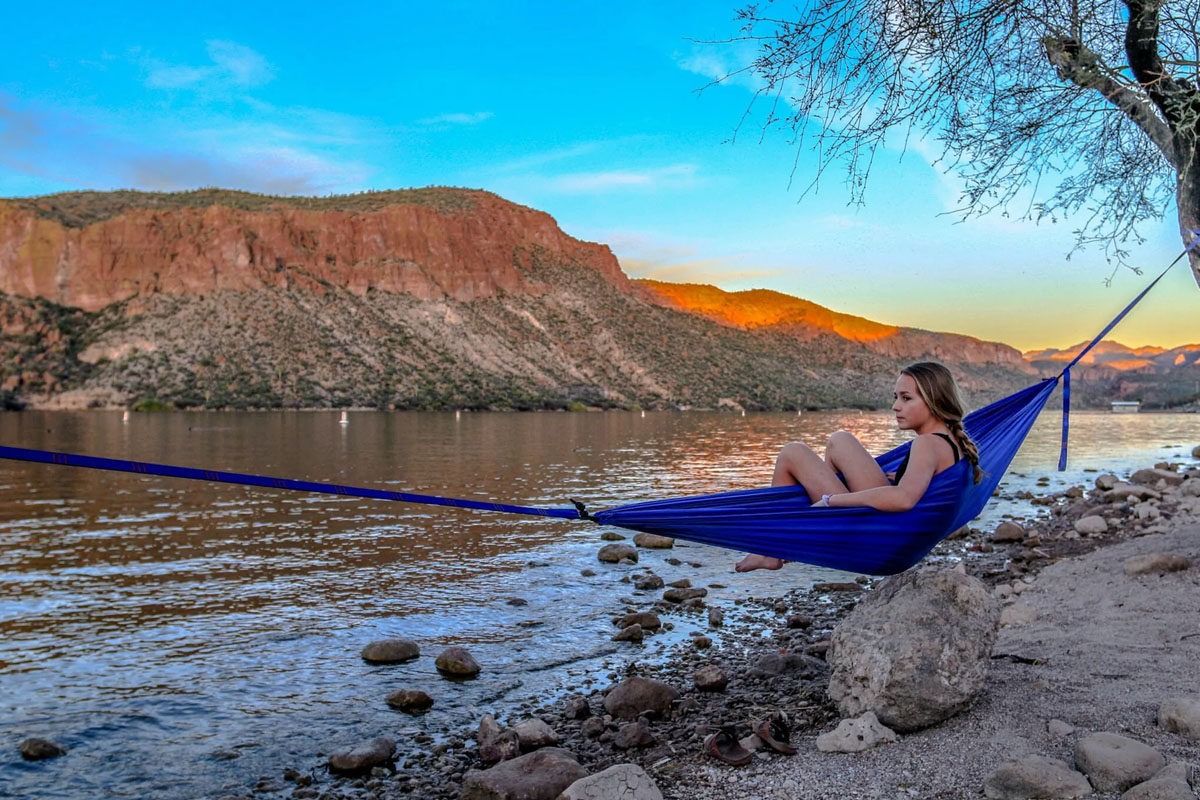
(937, 388)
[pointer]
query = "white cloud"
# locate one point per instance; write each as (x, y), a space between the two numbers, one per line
(232, 66)
(674, 176)
(457, 119)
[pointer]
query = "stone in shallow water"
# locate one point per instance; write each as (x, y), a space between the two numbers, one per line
(616, 553)
(1035, 776)
(630, 633)
(390, 651)
(458, 662)
(648, 582)
(653, 541)
(680, 595)
(362, 757)
(647, 619)
(36, 749)
(410, 701)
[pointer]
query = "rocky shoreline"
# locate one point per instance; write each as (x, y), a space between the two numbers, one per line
(747, 662)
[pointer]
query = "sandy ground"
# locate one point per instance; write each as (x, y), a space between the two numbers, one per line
(1113, 648)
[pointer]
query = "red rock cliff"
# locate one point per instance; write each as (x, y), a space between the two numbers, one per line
(471, 248)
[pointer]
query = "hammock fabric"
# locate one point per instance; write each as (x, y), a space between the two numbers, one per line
(778, 521)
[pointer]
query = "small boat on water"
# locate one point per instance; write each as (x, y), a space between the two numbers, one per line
(1126, 406)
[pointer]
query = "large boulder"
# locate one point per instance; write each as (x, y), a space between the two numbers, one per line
(915, 650)
(636, 695)
(618, 782)
(540, 775)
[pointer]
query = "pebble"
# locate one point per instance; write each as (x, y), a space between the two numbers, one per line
(616, 553)
(363, 756)
(456, 661)
(630, 633)
(37, 749)
(411, 701)
(856, 735)
(716, 617)
(1008, 532)
(1091, 525)
(711, 678)
(390, 651)
(1181, 715)
(653, 541)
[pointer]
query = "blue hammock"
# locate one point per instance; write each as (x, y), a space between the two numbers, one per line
(778, 521)
(781, 521)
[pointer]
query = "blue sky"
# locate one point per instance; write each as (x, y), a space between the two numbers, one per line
(589, 111)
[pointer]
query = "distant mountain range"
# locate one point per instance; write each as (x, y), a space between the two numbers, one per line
(426, 299)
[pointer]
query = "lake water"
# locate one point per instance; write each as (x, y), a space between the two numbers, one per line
(150, 624)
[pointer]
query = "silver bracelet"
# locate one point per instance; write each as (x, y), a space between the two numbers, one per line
(825, 500)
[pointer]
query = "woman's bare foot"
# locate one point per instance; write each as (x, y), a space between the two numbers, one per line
(753, 562)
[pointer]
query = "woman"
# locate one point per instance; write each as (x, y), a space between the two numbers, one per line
(927, 403)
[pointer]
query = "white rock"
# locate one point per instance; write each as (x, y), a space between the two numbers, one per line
(1190, 488)
(1181, 715)
(915, 650)
(618, 782)
(1115, 763)
(1091, 525)
(1018, 614)
(1056, 727)
(1035, 776)
(856, 735)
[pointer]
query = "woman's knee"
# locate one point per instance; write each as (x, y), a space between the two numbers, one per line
(843, 440)
(796, 451)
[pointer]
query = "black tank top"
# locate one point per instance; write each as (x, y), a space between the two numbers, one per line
(904, 464)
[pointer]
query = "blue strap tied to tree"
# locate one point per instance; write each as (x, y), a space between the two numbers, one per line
(1066, 373)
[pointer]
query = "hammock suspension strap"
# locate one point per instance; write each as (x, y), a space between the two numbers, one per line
(1065, 375)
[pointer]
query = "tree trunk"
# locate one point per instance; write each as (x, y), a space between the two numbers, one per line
(1187, 200)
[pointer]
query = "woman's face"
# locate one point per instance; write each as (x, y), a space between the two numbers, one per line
(911, 411)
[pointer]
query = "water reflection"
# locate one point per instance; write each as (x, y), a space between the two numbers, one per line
(138, 613)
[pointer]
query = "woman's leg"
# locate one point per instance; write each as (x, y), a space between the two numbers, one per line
(845, 454)
(796, 464)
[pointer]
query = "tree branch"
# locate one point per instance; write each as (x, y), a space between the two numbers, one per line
(1080, 66)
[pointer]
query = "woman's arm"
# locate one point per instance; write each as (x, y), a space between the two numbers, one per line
(922, 465)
